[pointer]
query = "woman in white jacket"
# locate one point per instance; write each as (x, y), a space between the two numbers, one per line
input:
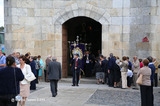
(24, 84)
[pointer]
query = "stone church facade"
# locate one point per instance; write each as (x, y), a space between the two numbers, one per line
(37, 26)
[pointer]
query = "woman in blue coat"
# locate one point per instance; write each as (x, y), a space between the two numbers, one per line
(33, 68)
(10, 77)
(41, 67)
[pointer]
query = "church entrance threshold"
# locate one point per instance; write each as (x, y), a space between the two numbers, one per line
(84, 33)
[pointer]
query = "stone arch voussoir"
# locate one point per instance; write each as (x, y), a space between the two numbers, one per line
(98, 14)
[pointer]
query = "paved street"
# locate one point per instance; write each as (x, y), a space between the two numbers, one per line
(86, 95)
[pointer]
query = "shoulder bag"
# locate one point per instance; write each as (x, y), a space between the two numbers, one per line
(30, 77)
(139, 80)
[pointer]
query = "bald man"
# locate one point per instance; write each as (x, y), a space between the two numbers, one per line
(54, 75)
(135, 68)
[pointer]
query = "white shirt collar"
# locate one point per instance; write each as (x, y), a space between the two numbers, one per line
(150, 63)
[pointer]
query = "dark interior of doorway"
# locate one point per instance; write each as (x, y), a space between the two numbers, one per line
(88, 30)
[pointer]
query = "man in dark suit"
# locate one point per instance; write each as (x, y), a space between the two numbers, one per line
(153, 69)
(76, 65)
(88, 64)
(54, 75)
(111, 65)
(104, 64)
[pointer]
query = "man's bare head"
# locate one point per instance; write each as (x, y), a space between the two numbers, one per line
(54, 58)
(14, 54)
(135, 58)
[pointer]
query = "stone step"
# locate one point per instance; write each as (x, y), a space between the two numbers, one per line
(82, 81)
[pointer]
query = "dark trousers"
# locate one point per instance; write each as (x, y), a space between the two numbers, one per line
(54, 85)
(106, 78)
(152, 93)
(155, 79)
(146, 95)
(111, 77)
(37, 76)
(6, 101)
(88, 70)
(45, 75)
(129, 81)
(33, 85)
(75, 77)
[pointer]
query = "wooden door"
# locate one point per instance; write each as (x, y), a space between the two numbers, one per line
(64, 52)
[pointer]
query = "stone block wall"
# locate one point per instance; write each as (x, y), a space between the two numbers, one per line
(140, 27)
(144, 23)
(36, 25)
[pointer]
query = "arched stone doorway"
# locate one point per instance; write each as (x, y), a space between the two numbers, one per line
(72, 11)
(89, 32)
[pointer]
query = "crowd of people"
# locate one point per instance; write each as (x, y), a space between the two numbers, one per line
(20, 73)
(113, 71)
(120, 73)
(16, 68)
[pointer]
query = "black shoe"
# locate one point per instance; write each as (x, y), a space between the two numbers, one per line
(77, 85)
(102, 82)
(33, 89)
(54, 95)
(73, 85)
(135, 88)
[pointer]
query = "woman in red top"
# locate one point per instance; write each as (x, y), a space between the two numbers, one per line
(141, 64)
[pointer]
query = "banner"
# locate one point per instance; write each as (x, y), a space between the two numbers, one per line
(78, 49)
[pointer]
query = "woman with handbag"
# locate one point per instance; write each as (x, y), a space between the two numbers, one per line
(145, 84)
(25, 84)
(10, 77)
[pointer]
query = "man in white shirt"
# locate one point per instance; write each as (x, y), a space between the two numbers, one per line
(88, 64)
(129, 78)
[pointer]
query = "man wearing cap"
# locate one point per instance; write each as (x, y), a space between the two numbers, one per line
(54, 75)
(76, 65)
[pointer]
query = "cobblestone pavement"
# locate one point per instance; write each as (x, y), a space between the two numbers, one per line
(86, 95)
(120, 98)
